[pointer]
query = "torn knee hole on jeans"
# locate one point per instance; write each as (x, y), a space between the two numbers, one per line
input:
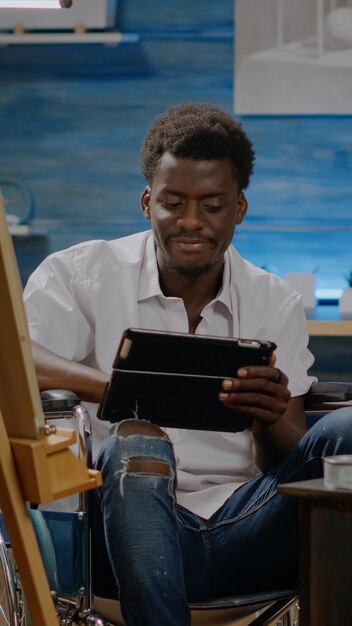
(147, 465)
(144, 428)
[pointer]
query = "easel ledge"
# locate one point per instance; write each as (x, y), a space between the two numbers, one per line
(48, 468)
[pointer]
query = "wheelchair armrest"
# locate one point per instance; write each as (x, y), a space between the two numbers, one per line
(58, 401)
(323, 394)
(63, 404)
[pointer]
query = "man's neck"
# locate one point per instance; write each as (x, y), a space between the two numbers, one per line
(195, 291)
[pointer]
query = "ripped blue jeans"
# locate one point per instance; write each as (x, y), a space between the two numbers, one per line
(162, 555)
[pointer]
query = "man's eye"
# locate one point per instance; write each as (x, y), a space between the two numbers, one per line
(212, 208)
(172, 205)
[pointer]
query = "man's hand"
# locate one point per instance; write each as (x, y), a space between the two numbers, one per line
(260, 391)
(278, 420)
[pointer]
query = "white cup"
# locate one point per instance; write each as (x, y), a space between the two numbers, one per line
(338, 471)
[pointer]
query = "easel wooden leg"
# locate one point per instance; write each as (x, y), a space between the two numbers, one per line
(23, 540)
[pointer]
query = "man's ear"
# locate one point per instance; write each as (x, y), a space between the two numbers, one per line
(242, 206)
(145, 202)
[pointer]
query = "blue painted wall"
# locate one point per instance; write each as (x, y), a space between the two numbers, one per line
(72, 118)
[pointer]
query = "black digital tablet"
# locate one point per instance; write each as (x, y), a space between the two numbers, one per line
(173, 379)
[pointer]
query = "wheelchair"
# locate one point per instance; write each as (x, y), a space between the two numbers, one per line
(13, 610)
(67, 549)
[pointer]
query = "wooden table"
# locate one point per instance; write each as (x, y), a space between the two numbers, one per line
(331, 343)
(330, 328)
(325, 553)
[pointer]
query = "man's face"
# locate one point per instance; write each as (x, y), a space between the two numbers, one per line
(193, 207)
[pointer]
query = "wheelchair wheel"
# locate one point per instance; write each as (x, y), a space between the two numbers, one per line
(13, 610)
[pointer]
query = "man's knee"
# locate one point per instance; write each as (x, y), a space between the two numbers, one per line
(147, 465)
(339, 420)
(140, 427)
(333, 432)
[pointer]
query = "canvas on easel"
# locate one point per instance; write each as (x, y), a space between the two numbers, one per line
(36, 463)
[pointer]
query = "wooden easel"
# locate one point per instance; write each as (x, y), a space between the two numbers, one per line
(36, 464)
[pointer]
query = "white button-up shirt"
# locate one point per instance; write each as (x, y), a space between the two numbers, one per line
(79, 302)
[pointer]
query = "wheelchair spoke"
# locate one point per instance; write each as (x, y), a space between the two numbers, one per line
(2, 613)
(23, 620)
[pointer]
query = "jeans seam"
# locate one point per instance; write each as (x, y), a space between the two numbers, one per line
(207, 555)
(199, 524)
(263, 499)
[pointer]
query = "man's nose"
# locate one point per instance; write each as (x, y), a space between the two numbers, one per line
(191, 218)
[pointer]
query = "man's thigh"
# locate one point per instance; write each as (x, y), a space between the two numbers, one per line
(251, 542)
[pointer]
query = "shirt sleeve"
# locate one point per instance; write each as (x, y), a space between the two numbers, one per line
(54, 302)
(292, 355)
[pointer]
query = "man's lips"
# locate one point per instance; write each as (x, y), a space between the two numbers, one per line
(187, 246)
(191, 240)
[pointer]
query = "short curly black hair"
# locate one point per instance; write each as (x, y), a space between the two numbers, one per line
(198, 131)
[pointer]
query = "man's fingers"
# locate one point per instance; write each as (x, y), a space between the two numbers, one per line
(251, 402)
(259, 391)
(276, 385)
(262, 371)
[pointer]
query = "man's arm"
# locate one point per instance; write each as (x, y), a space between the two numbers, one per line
(273, 442)
(56, 372)
(278, 419)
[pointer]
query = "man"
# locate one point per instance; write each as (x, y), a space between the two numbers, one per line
(226, 529)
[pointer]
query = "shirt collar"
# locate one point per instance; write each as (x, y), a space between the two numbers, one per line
(224, 294)
(149, 285)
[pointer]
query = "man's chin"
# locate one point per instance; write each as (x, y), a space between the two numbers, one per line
(189, 270)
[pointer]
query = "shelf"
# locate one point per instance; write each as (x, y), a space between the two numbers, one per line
(26, 231)
(111, 38)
